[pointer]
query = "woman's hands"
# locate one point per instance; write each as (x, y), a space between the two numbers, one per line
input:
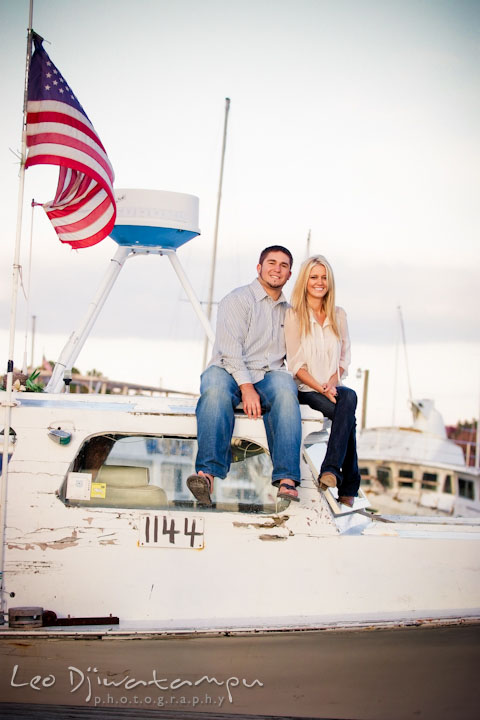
(329, 389)
(329, 392)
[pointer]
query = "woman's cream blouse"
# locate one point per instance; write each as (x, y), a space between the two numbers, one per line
(320, 352)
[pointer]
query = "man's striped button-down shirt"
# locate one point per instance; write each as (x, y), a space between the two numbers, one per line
(250, 337)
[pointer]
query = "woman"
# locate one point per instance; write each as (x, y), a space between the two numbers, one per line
(318, 355)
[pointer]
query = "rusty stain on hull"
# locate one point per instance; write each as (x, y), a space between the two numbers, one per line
(55, 545)
(68, 541)
(271, 522)
(60, 544)
(35, 567)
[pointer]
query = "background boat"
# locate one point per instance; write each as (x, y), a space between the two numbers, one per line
(418, 470)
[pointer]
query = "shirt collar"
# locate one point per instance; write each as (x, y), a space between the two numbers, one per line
(313, 319)
(259, 293)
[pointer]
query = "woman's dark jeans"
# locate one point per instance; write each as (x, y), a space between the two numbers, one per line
(341, 457)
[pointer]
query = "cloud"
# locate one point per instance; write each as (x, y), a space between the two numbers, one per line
(439, 303)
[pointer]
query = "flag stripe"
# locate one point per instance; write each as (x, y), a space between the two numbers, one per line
(86, 220)
(66, 183)
(77, 208)
(74, 212)
(70, 162)
(53, 139)
(64, 129)
(71, 182)
(84, 233)
(77, 241)
(38, 118)
(71, 208)
(72, 187)
(63, 108)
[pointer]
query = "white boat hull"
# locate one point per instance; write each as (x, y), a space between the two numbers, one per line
(279, 597)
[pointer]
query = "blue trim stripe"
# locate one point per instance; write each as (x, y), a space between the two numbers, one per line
(142, 235)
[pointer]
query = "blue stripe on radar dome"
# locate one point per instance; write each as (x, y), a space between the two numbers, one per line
(142, 235)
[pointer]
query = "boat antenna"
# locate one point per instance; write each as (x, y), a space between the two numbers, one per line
(215, 236)
(27, 308)
(477, 440)
(32, 350)
(7, 399)
(395, 378)
(404, 342)
(308, 243)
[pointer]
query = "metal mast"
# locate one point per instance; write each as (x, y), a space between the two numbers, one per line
(7, 401)
(215, 237)
(402, 328)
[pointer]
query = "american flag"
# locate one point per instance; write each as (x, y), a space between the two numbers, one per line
(59, 133)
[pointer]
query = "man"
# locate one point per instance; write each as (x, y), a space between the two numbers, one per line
(248, 365)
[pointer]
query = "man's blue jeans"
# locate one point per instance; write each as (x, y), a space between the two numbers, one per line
(341, 457)
(220, 395)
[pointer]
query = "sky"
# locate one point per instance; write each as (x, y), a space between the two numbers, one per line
(356, 121)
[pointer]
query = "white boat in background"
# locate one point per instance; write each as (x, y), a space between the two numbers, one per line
(417, 470)
(102, 542)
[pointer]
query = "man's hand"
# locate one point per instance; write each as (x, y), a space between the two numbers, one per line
(251, 401)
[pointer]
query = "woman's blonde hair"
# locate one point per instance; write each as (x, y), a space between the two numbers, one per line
(299, 295)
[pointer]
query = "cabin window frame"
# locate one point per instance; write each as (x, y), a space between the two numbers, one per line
(429, 481)
(386, 482)
(365, 476)
(242, 494)
(466, 488)
(448, 485)
(406, 478)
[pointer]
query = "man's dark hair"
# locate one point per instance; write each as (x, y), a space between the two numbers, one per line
(275, 248)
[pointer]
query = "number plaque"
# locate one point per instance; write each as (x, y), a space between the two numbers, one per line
(171, 531)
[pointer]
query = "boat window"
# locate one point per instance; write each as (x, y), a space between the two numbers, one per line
(384, 476)
(364, 476)
(12, 438)
(402, 473)
(130, 471)
(1, 460)
(447, 486)
(466, 488)
(429, 481)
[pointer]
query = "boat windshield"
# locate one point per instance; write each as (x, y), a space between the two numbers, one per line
(150, 472)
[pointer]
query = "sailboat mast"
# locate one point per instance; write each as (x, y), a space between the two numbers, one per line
(215, 236)
(29, 281)
(32, 351)
(7, 402)
(404, 342)
(21, 184)
(477, 440)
